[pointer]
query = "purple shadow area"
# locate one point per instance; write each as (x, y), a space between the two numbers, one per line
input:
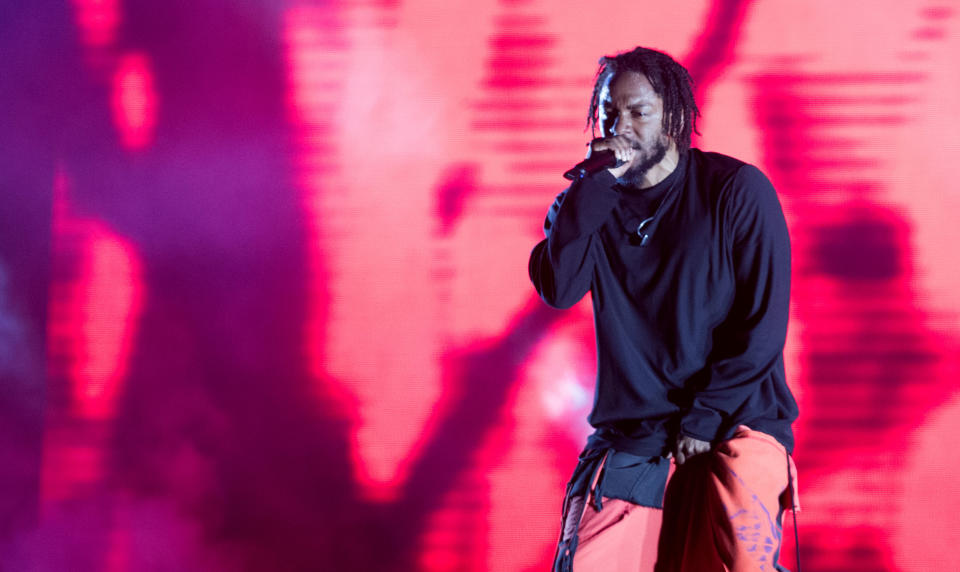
(455, 187)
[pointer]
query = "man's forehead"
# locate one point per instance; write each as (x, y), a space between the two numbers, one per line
(628, 85)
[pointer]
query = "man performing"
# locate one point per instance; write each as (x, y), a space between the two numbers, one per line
(687, 260)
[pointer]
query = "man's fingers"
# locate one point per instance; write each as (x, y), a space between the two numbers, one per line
(623, 149)
(688, 447)
(618, 145)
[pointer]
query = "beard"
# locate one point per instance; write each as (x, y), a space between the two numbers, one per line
(634, 175)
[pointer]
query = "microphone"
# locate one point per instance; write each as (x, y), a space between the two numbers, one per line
(595, 163)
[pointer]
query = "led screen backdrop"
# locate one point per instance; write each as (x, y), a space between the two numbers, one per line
(263, 292)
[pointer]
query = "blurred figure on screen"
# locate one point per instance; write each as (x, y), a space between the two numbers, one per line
(686, 256)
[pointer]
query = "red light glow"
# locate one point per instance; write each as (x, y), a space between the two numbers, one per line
(398, 160)
(98, 21)
(134, 101)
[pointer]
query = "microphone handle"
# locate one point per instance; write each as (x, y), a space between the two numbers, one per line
(595, 163)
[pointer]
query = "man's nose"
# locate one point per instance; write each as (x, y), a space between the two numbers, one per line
(621, 125)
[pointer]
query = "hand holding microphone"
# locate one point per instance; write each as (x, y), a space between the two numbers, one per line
(613, 153)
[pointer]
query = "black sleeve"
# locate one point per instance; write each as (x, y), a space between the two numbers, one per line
(748, 345)
(561, 266)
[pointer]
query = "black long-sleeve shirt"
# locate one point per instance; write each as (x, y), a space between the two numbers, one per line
(691, 318)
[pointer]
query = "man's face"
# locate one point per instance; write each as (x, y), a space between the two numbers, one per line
(629, 107)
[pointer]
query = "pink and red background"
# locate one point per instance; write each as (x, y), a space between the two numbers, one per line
(263, 290)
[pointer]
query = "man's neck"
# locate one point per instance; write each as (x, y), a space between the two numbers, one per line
(661, 170)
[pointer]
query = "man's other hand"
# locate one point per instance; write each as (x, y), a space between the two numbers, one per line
(687, 447)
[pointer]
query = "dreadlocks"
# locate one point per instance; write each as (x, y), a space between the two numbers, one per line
(670, 81)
